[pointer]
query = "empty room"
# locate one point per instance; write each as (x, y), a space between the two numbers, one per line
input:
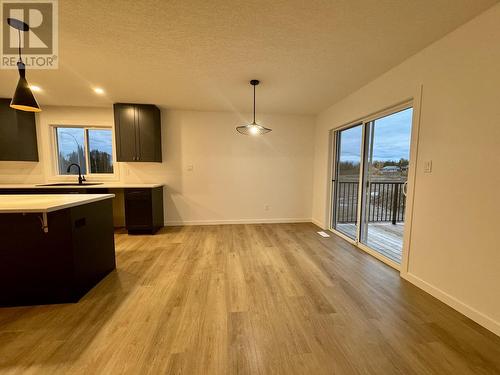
(250, 187)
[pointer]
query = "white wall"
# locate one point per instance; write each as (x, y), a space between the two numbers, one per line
(234, 177)
(455, 249)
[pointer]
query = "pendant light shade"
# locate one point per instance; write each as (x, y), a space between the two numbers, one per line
(23, 98)
(253, 128)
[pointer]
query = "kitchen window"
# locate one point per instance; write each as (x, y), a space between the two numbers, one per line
(89, 147)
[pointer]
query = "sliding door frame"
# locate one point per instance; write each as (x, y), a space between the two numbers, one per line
(415, 103)
(334, 179)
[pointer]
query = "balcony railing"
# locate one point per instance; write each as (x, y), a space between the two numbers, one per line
(386, 202)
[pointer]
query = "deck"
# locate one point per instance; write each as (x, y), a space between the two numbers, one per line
(385, 238)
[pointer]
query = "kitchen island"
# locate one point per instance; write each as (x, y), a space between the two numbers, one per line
(54, 248)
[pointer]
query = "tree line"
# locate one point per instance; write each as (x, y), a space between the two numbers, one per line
(100, 161)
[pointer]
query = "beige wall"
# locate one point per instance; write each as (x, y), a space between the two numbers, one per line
(454, 250)
(234, 178)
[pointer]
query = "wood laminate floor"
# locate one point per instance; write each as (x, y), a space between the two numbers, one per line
(246, 299)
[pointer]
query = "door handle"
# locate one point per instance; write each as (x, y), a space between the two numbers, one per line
(405, 188)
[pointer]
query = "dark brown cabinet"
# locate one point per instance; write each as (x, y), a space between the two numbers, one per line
(17, 134)
(138, 132)
(143, 210)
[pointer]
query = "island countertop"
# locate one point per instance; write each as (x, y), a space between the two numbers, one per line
(45, 203)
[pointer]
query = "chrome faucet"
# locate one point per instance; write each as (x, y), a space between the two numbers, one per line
(80, 177)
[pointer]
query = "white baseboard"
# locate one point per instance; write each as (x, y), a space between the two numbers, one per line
(318, 223)
(454, 303)
(238, 221)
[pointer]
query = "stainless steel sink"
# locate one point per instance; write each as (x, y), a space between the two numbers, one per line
(72, 184)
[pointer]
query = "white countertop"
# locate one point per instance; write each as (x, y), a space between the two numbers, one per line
(104, 185)
(46, 202)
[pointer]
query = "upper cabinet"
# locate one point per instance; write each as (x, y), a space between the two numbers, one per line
(138, 132)
(17, 134)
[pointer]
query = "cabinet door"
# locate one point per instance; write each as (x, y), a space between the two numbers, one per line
(17, 134)
(149, 133)
(8, 132)
(138, 209)
(26, 135)
(126, 132)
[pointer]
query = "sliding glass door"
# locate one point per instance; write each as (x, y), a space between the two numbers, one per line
(375, 153)
(385, 175)
(346, 181)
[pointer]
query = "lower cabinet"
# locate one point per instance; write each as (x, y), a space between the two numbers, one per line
(143, 210)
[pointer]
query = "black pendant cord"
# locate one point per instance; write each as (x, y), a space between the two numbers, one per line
(19, 26)
(19, 34)
(254, 104)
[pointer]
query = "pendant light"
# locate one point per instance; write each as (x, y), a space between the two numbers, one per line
(23, 98)
(253, 128)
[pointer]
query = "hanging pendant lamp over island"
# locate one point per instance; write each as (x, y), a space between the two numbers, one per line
(253, 128)
(23, 98)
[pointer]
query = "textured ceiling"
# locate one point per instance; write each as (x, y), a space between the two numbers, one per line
(200, 54)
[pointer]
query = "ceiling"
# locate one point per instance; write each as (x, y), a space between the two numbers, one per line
(200, 55)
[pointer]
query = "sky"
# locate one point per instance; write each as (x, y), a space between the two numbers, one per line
(391, 139)
(98, 139)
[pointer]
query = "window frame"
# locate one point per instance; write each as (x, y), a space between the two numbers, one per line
(89, 176)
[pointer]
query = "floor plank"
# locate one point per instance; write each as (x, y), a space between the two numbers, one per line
(246, 299)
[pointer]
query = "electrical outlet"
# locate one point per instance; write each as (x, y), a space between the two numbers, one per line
(190, 167)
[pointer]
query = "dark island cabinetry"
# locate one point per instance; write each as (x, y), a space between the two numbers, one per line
(60, 265)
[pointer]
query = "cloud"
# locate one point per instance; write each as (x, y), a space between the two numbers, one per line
(391, 139)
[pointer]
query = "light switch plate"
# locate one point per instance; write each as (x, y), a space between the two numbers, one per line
(428, 166)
